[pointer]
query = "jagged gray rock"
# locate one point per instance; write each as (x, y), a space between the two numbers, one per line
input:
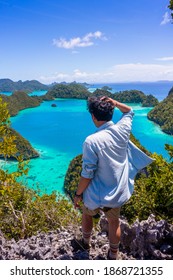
(148, 239)
(142, 240)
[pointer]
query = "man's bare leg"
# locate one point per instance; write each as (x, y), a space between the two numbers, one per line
(114, 236)
(87, 225)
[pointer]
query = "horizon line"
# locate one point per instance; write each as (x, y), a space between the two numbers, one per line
(84, 82)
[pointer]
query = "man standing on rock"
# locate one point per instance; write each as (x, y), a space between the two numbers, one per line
(110, 163)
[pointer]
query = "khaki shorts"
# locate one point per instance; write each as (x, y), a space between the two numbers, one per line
(113, 213)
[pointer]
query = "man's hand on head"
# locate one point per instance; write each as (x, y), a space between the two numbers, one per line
(109, 100)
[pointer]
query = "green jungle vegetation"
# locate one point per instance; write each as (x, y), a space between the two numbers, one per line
(29, 86)
(72, 90)
(20, 100)
(162, 114)
(24, 212)
(23, 147)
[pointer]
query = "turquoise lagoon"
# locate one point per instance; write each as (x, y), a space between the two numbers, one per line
(58, 133)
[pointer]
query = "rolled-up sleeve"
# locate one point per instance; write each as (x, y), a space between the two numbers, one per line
(124, 125)
(89, 161)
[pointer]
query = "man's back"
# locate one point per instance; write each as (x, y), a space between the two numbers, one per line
(105, 154)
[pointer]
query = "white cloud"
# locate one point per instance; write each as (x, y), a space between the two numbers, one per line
(85, 41)
(54, 78)
(166, 58)
(166, 19)
(118, 73)
(76, 75)
(142, 72)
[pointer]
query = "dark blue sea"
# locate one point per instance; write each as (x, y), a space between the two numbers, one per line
(58, 133)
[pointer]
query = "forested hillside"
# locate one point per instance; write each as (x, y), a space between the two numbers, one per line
(12, 144)
(72, 90)
(29, 86)
(20, 100)
(162, 114)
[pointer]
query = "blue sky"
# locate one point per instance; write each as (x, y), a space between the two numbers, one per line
(86, 40)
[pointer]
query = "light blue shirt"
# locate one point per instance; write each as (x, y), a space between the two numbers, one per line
(112, 162)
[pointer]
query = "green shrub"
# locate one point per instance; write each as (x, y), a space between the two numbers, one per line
(153, 194)
(23, 212)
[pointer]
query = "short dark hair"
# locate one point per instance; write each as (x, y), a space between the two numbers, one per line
(101, 109)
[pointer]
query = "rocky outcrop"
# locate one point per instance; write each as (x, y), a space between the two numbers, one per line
(147, 239)
(142, 240)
